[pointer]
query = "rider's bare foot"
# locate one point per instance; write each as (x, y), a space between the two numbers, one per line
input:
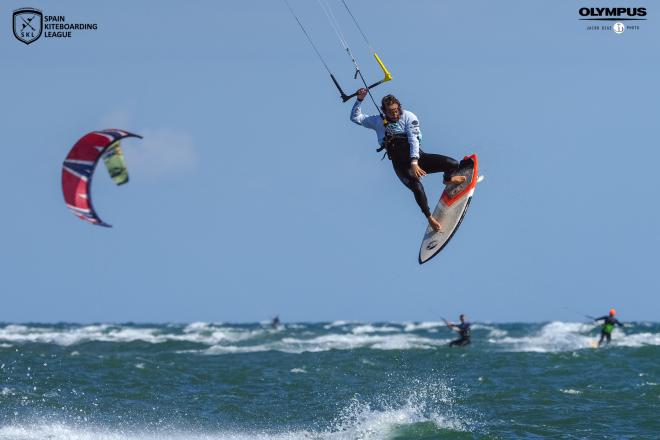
(434, 224)
(457, 179)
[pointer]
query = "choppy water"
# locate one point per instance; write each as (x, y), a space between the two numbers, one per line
(340, 380)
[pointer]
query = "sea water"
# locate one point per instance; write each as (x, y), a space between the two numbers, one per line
(340, 380)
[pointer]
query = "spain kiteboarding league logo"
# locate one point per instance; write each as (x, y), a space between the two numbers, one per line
(28, 24)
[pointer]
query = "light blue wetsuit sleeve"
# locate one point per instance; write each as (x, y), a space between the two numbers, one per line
(360, 118)
(373, 122)
(414, 133)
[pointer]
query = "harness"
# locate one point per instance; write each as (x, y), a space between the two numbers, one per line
(465, 333)
(384, 146)
(390, 142)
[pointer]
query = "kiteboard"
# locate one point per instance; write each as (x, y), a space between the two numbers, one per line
(451, 209)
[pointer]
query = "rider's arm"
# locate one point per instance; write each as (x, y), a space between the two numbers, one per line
(360, 118)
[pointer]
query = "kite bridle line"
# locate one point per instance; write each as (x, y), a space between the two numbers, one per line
(388, 75)
(342, 40)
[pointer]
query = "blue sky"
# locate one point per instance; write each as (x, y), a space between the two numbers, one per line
(253, 194)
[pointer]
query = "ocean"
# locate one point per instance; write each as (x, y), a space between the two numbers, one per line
(339, 380)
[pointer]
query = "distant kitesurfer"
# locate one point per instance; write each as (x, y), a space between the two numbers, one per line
(275, 323)
(463, 330)
(399, 134)
(609, 321)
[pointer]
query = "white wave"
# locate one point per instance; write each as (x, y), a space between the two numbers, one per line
(636, 339)
(221, 338)
(493, 332)
(333, 342)
(568, 336)
(353, 341)
(60, 431)
(414, 326)
(552, 337)
(368, 425)
(426, 402)
(340, 335)
(497, 333)
(195, 327)
(368, 328)
(207, 333)
(379, 424)
(203, 333)
(298, 370)
(22, 334)
(571, 391)
(231, 349)
(337, 324)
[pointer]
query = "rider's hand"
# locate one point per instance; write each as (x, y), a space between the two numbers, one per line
(361, 93)
(417, 171)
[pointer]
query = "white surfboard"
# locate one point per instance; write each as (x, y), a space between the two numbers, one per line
(451, 209)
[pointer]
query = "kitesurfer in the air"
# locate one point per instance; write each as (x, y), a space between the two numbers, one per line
(463, 330)
(609, 321)
(400, 134)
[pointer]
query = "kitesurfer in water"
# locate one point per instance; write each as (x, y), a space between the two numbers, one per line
(609, 321)
(399, 133)
(463, 330)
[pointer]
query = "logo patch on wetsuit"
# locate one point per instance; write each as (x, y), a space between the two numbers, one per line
(415, 122)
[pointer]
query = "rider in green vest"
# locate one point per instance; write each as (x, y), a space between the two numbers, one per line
(609, 321)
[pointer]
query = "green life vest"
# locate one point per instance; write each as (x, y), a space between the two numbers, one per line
(607, 328)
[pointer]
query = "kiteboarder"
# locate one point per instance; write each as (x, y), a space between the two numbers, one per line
(399, 134)
(609, 321)
(463, 330)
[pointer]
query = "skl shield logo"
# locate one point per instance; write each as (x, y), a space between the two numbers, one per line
(28, 24)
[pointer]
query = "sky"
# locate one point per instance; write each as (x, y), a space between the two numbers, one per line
(252, 194)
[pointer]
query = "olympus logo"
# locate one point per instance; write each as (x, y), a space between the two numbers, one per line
(614, 13)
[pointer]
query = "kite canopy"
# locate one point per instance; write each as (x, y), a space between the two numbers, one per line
(80, 164)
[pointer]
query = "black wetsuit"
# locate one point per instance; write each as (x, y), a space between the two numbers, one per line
(398, 150)
(608, 326)
(464, 335)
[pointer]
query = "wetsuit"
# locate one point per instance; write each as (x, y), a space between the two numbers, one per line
(608, 326)
(464, 335)
(402, 139)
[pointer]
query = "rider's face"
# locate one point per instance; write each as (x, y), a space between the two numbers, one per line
(393, 112)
